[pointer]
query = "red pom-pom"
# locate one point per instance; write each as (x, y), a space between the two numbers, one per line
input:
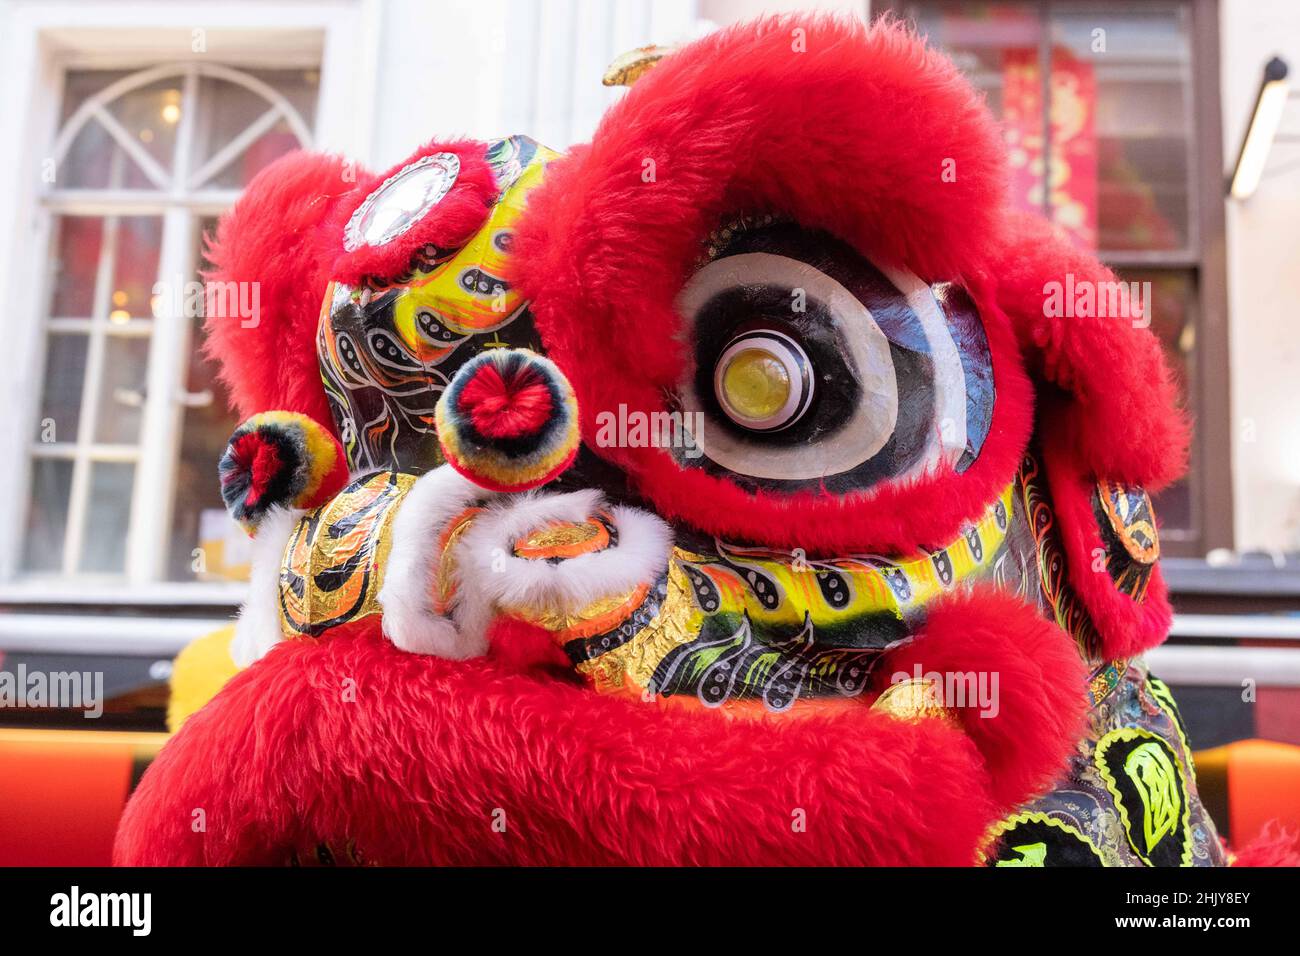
(279, 459)
(508, 421)
(263, 461)
(510, 405)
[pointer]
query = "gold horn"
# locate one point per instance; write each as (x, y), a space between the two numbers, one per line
(629, 67)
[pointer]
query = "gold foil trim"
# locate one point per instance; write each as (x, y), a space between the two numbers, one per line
(678, 622)
(912, 699)
(334, 561)
(444, 585)
(598, 617)
(563, 539)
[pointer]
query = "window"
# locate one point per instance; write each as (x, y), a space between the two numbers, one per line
(131, 420)
(1110, 112)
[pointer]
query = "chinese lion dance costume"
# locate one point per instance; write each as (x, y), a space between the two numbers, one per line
(718, 492)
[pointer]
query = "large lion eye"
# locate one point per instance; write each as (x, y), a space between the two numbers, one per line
(814, 368)
(764, 380)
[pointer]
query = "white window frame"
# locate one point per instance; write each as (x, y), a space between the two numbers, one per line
(43, 42)
(177, 200)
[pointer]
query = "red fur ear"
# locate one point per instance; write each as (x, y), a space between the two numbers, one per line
(1122, 415)
(1127, 601)
(1108, 409)
(272, 253)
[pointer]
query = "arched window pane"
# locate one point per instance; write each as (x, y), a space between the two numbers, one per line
(93, 442)
(149, 115)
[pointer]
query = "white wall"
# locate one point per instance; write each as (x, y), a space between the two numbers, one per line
(723, 12)
(549, 57)
(546, 56)
(1264, 284)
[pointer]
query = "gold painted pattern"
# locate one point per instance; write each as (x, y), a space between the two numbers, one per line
(1128, 509)
(333, 563)
(776, 588)
(678, 622)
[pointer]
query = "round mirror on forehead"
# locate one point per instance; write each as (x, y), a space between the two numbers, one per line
(401, 201)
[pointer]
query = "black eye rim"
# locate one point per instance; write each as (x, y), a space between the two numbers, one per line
(757, 334)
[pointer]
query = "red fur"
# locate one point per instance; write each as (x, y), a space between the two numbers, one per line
(501, 409)
(457, 216)
(414, 768)
(1041, 701)
(1276, 845)
(266, 464)
(274, 237)
(603, 253)
(1126, 627)
(1122, 417)
(573, 772)
(520, 646)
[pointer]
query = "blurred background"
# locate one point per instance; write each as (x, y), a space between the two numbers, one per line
(130, 126)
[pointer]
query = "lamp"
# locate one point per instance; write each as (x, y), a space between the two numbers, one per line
(1267, 116)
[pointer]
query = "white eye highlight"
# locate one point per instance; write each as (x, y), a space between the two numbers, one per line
(948, 439)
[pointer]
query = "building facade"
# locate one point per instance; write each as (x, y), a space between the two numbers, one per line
(133, 125)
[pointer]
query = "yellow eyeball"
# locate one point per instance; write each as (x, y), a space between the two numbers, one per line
(756, 383)
(763, 380)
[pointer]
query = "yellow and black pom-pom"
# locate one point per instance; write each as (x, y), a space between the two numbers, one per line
(508, 421)
(278, 459)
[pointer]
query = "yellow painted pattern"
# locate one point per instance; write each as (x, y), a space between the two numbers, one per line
(443, 291)
(868, 582)
(680, 618)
